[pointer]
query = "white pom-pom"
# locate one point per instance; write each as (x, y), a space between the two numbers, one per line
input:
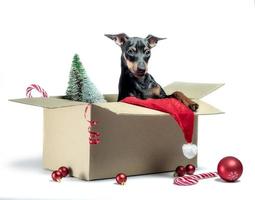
(189, 150)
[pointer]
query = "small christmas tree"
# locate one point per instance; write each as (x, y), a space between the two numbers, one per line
(76, 80)
(80, 88)
(90, 92)
(72, 91)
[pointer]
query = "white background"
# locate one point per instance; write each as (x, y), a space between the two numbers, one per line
(208, 41)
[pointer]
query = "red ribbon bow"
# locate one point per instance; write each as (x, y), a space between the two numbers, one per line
(93, 135)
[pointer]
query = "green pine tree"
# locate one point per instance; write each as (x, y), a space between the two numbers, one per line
(72, 91)
(90, 92)
(80, 88)
(76, 80)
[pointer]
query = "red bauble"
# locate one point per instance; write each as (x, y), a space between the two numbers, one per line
(64, 171)
(230, 169)
(121, 178)
(56, 176)
(190, 169)
(180, 171)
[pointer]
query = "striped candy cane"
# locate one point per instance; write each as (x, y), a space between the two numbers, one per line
(36, 87)
(185, 180)
(193, 179)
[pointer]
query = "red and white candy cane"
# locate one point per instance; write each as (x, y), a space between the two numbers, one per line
(93, 135)
(36, 87)
(193, 179)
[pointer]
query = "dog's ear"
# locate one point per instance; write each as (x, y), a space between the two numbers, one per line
(119, 39)
(153, 40)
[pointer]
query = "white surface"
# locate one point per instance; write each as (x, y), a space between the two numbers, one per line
(208, 41)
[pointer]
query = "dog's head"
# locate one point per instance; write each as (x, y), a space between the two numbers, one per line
(135, 51)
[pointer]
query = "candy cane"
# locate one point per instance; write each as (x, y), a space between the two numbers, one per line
(193, 179)
(93, 135)
(38, 88)
(185, 181)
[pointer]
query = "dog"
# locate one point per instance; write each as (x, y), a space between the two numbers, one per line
(135, 79)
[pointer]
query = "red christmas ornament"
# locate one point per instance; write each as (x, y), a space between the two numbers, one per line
(190, 169)
(121, 178)
(56, 176)
(180, 171)
(64, 171)
(230, 169)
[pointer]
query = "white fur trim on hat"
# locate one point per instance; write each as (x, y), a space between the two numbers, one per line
(189, 150)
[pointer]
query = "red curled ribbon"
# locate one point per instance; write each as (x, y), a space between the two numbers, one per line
(93, 135)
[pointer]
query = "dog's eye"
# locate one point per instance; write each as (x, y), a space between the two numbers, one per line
(131, 52)
(147, 53)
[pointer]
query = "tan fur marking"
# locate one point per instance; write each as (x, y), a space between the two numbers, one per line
(133, 48)
(132, 66)
(146, 48)
(156, 90)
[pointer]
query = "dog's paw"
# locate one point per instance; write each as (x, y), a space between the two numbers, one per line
(193, 106)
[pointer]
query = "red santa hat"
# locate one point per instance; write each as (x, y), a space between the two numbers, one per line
(185, 119)
(181, 113)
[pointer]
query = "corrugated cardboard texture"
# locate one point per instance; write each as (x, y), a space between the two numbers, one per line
(136, 144)
(115, 107)
(192, 90)
(111, 97)
(127, 109)
(130, 144)
(206, 109)
(134, 140)
(66, 140)
(51, 102)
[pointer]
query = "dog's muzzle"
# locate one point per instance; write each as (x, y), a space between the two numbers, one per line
(141, 69)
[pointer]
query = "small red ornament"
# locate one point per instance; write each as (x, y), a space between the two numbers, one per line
(56, 176)
(190, 169)
(121, 178)
(230, 169)
(64, 171)
(180, 171)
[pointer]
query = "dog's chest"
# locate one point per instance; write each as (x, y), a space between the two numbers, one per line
(146, 83)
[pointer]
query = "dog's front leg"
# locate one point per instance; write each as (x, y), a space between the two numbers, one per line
(185, 100)
(151, 93)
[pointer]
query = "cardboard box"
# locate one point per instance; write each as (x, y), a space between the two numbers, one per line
(134, 140)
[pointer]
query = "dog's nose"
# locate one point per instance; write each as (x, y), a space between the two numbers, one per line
(141, 67)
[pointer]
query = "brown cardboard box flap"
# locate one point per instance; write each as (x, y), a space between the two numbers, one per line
(57, 101)
(206, 109)
(51, 102)
(120, 108)
(193, 90)
(111, 97)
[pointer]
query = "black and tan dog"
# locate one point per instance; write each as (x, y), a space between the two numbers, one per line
(135, 79)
